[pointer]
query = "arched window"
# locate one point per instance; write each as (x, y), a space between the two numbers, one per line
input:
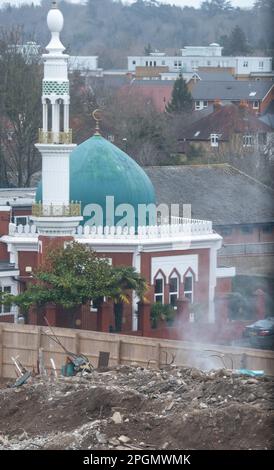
(189, 286)
(174, 282)
(159, 286)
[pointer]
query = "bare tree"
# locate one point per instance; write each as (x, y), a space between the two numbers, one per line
(20, 107)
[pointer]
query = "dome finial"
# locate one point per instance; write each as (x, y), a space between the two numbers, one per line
(55, 21)
(97, 119)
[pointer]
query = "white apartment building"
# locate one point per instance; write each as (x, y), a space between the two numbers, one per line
(193, 58)
(213, 50)
(85, 64)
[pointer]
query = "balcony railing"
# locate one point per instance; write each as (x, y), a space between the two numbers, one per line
(49, 137)
(64, 210)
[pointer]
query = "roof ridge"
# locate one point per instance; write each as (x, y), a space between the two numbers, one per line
(184, 166)
(251, 178)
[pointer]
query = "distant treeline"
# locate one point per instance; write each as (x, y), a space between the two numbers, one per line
(114, 30)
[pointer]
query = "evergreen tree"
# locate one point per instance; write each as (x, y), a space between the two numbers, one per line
(148, 49)
(237, 43)
(215, 7)
(181, 99)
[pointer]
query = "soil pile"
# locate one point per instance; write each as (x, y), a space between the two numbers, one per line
(129, 407)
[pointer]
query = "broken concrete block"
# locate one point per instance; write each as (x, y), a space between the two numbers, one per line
(124, 439)
(101, 438)
(114, 441)
(117, 418)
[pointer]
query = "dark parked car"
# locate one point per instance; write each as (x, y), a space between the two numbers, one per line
(261, 333)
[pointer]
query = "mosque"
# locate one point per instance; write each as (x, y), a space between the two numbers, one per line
(97, 195)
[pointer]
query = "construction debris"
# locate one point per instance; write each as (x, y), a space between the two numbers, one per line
(22, 380)
(117, 418)
(128, 407)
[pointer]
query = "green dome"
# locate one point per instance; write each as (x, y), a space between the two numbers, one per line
(99, 169)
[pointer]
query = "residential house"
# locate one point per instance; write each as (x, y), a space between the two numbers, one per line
(257, 94)
(227, 130)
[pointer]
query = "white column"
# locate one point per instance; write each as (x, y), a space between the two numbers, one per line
(55, 130)
(136, 263)
(212, 283)
(57, 117)
(54, 111)
(45, 117)
(66, 117)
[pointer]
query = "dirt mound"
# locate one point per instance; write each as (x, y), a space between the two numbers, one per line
(132, 407)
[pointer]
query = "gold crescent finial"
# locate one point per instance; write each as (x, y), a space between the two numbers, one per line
(97, 119)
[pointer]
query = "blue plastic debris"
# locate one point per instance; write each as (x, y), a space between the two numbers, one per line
(252, 373)
(22, 380)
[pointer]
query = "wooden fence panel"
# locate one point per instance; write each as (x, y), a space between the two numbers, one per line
(24, 341)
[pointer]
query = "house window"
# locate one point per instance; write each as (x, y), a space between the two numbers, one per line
(163, 62)
(146, 63)
(267, 228)
(245, 64)
(21, 220)
(256, 104)
(248, 140)
(134, 62)
(180, 64)
(159, 289)
(261, 64)
(226, 231)
(5, 308)
(214, 140)
(188, 287)
(208, 63)
(175, 64)
(247, 229)
(173, 290)
(154, 63)
(200, 105)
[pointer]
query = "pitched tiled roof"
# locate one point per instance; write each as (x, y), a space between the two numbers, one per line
(225, 121)
(216, 76)
(220, 193)
(232, 90)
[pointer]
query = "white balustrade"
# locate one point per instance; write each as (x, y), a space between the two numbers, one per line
(185, 227)
(182, 227)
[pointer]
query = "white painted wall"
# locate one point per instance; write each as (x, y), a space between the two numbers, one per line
(83, 63)
(212, 50)
(243, 65)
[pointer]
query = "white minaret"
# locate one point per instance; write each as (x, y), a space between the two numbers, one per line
(56, 214)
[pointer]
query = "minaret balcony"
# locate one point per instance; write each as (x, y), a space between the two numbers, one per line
(52, 210)
(50, 137)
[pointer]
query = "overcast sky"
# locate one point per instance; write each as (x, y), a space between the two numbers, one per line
(194, 3)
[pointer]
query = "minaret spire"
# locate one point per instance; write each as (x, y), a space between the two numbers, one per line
(55, 138)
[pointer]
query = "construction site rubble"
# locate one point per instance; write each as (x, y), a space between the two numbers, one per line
(131, 407)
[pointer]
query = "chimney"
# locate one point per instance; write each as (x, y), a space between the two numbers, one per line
(217, 104)
(243, 107)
